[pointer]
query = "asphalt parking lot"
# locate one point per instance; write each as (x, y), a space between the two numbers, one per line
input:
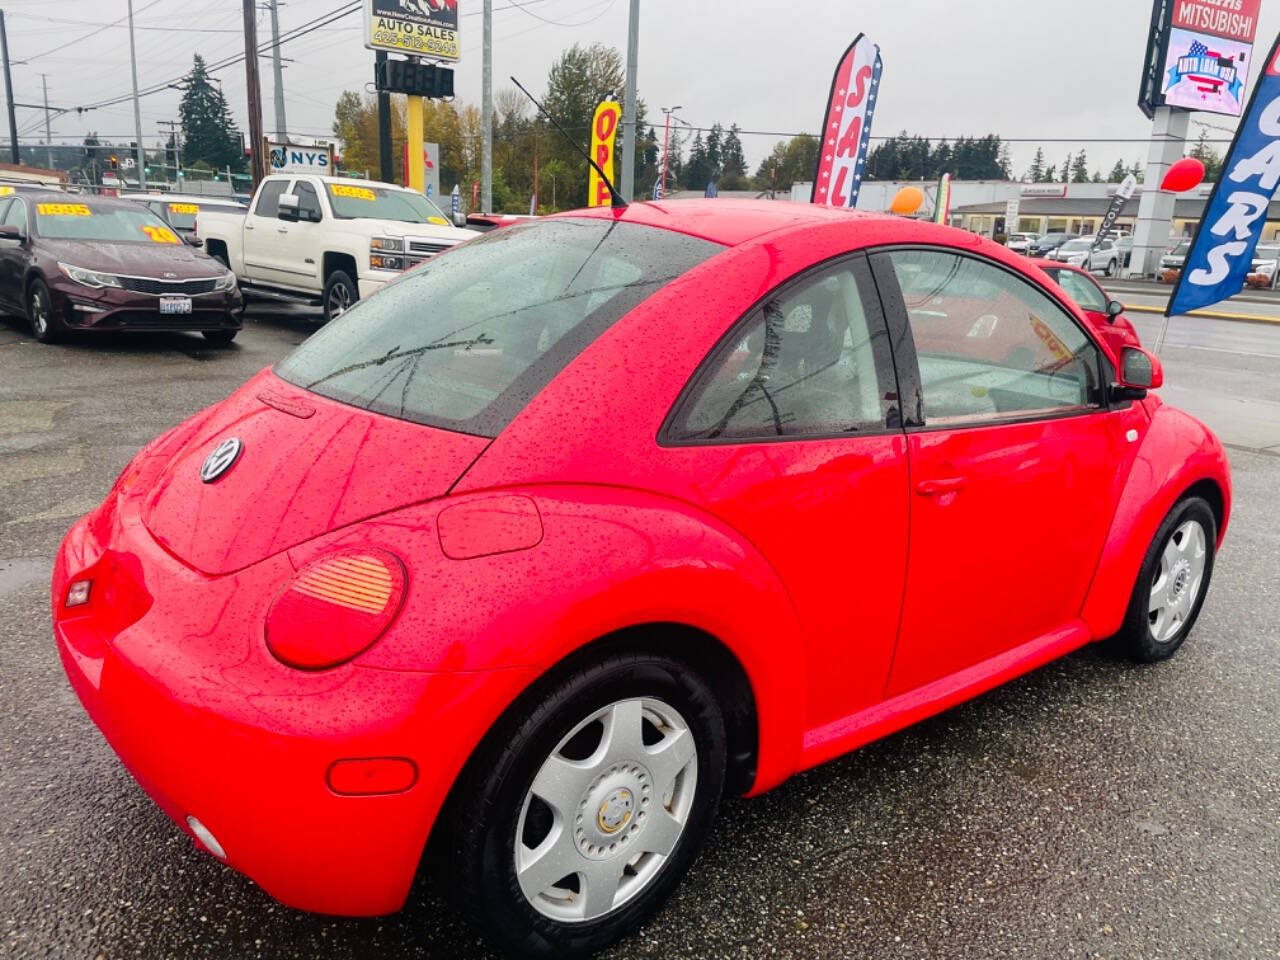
(1091, 809)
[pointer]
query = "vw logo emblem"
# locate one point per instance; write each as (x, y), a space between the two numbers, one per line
(222, 459)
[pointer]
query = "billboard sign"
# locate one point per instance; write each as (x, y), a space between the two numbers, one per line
(292, 158)
(1199, 55)
(846, 130)
(1221, 254)
(420, 28)
(604, 137)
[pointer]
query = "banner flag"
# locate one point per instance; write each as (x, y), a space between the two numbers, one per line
(942, 205)
(604, 134)
(846, 130)
(1221, 254)
(1124, 193)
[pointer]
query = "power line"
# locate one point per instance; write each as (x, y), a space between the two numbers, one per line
(71, 43)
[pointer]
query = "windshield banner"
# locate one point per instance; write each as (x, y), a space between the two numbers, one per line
(846, 132)
(1221, 255)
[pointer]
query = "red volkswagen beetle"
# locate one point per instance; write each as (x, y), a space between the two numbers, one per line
(1106, 314)
(590, 521)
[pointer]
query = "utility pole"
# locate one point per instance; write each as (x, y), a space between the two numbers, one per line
(8, 90)
(278, 71)
(486, 114)
(666, 141)
(256, 141)
(630, 135)
(386, 163)
(177, 147)
(137, 108)
(48, 136)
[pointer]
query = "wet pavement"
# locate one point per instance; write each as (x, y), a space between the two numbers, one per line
(1091, 809)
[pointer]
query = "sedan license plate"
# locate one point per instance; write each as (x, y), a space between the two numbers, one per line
(172, 306)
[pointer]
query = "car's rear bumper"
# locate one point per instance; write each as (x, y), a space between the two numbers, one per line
(172, 667)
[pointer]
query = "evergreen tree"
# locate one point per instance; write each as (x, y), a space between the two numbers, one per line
(1136, 170)
(1118, 173)
(1205, 153)
(1006, 162)
(940, 162)
(208, 132)
(697, 169)
(714, 158)
(1036, 173)
(1050, 175)
(732, 160)
(1080, 168)
(1066, 169)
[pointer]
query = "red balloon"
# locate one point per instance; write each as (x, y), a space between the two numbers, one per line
(1186, 174)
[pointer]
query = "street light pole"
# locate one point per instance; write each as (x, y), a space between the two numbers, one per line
(256, 141)
(666, 141)
(486, 113)
(629, 132)
(278, 72)
(8, 90)
(137, 107)
(48, 136)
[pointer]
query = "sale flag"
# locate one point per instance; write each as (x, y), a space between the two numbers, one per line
(1221, 254)
(846, 132)
(942, 206)
(604, 136)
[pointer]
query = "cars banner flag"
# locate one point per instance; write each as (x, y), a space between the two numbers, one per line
(846, 132)
(604, 135)
(942, 205)
(1221, 254)
(1124, 193)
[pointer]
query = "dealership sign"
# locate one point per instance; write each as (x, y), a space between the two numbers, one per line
(1221, 255)
(292, 158)
(420, 28)
(847, 128)
(1199, 55)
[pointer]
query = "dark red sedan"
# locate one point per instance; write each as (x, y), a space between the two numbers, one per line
(1104, 312)
(78, 264)
(589, 522)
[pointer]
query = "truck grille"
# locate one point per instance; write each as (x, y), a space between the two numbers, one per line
(168, 287)
(427, 247)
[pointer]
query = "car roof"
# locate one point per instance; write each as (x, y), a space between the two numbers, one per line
(730, 221)
(183, 198)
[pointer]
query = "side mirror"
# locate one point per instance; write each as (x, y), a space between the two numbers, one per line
(9, 232)
(459, 219)
(1139, 372)
(288, 209)
(191, 240)
(1114, 309)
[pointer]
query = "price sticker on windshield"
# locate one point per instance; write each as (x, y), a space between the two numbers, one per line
(356, 193)
(6, 191)
(189, 209)
(62, 210)
(160, 234)
(438, 221)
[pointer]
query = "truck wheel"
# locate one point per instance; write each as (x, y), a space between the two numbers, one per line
(340, 294)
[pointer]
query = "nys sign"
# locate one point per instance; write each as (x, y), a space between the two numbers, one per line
(289, 158)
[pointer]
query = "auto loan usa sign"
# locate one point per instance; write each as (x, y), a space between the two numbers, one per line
(1221, 255)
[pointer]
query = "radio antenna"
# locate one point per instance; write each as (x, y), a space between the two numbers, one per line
(617, 202)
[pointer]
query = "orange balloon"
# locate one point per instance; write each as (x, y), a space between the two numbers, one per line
(907, 201)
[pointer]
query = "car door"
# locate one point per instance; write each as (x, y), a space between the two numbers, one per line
(263, 232)
(14, 254)
(1013, 453)
(793, 421)
(299, 240)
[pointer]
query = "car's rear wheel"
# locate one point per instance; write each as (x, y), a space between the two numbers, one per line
(581, 815)
(340, 294)
(1172, 584)
(40, 312)
(219, 337)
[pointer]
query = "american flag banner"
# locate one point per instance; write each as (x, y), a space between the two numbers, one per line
(846, 131)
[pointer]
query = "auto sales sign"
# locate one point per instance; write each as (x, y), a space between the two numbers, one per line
(420, 28)
(1221, 255)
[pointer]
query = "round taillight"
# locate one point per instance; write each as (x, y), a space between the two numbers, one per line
(335, 608)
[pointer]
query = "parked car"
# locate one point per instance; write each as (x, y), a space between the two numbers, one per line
(484, 222)
(1048, 243)
(327, 240)
(1021, 242)
(549, 546)
(1124, 244)
(1087, 252)
(1105, 313)
(181, 211)
(1176, 256)
(1266, 259)
(80, 264)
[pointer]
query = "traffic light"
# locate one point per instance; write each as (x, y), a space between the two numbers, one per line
(114, 161)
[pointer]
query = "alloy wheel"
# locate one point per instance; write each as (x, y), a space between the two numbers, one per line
(606, 809)
(1178, 582)
(39, 313)
(339, 300)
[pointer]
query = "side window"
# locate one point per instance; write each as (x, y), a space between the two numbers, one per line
(308, 203)
(268, 204)
(1088, 295)
(809, 363)
(16, 215)
(991, 346)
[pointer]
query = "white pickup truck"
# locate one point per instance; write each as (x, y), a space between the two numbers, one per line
(326, 240)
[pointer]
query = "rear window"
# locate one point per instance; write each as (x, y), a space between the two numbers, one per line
(467, 339)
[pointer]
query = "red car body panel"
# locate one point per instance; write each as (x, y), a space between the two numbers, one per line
(1115, 333)
(573, 523)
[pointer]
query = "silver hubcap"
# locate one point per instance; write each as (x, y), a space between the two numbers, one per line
(339, 300)
(1178, 581)
(595, 831)
(39, 313)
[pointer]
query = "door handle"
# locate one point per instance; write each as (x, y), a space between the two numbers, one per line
(282, 230)
(248, 226)
(935, 488)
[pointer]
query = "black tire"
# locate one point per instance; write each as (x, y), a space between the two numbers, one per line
(44, 326)
(340, 295)
(219, 337)
(1109, 269)
(1135, 639)
(487, 805)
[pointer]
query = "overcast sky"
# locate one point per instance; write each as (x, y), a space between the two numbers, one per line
(1016, 68)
